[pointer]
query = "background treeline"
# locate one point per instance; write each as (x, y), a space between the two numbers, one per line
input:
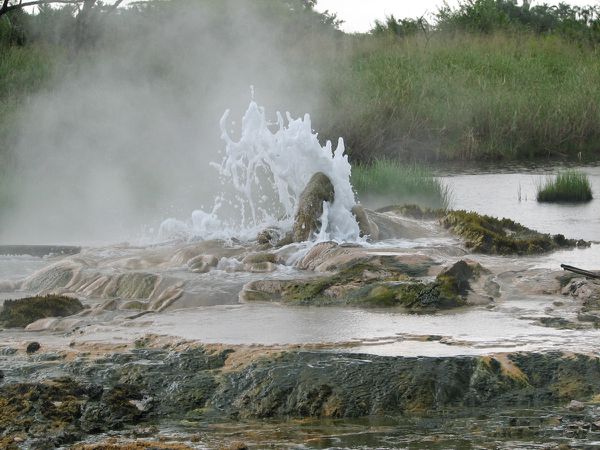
(488, 79)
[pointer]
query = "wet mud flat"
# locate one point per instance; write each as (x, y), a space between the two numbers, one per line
(432, 337)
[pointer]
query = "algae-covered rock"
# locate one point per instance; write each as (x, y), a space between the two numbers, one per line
(22, 312)
(304, 384)
(370, 285)
(310, 206)
(146, 387)
(490, 235)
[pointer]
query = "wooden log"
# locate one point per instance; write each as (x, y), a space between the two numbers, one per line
(579, 271)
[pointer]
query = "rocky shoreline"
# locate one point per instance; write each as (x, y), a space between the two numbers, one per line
(74, 390)
(59, 398)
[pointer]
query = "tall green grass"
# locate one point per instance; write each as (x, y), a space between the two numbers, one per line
(465, 96)
(567, 186)
(386, 182)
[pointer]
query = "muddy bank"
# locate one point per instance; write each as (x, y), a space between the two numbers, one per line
(60, 397)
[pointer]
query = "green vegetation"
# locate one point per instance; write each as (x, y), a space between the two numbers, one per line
(391, 182)
(371, 285)
(567, 186)
(22, 312)
(467, 96)
(485, 234)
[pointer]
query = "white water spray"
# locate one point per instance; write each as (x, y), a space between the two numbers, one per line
(268, 171)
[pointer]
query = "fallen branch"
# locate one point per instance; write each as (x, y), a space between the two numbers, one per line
(586, 273)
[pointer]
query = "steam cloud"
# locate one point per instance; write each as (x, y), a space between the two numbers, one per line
(124, 139)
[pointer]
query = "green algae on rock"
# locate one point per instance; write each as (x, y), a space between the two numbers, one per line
(486, 234)
(149, 386)
(22, 312)
(367, 285)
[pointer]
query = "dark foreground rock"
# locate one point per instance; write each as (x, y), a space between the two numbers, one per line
(72, 399)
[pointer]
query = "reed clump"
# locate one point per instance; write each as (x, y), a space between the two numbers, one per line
(385, 182)
(567, 186)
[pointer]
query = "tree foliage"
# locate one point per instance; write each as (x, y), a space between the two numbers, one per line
(487, 16)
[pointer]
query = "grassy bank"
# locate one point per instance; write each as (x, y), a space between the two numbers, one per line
(567, 186)
(385, 182)
(454, 92)
(467, 97)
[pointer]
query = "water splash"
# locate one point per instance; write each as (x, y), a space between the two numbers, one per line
(268, 170)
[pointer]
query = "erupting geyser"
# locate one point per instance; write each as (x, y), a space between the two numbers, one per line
(268, 171)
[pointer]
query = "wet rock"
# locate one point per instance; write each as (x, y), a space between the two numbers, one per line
(560, 323)
(147, 386)
(310, 206)
(575, 406)
(366, 226)
(8, 351)
(52, 277)
(203, 263)
(260, 262)
(33, 347)
(392, 226)
(134, 305)
(115, 408)
(274, 237)
(461, 273)
(377, 283)
(48, 411)
(311, 384)
(21, 312)
(131, 285)
(414, 211)
(485, 234)
(331, 257)
(584, 289)
(236, 446)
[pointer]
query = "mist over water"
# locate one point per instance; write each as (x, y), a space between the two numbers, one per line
(124, 137)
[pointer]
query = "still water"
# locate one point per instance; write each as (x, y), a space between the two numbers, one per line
(512, 194)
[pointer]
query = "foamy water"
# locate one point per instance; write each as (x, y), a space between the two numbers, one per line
(266, 171)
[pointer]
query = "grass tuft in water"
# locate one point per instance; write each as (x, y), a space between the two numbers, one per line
(386, 182)
(567, 186)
